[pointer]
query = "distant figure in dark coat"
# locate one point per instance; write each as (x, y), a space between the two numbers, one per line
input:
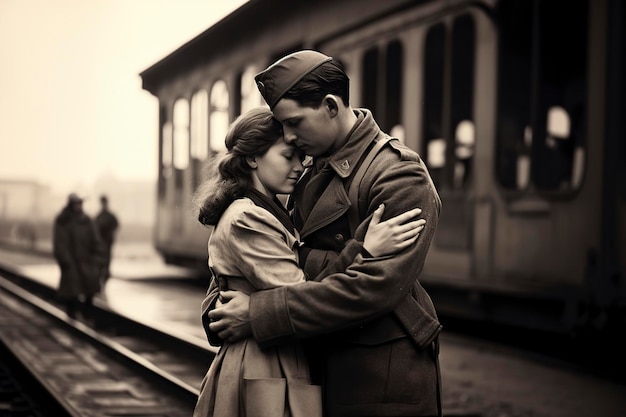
(107, 226)
(76, 247)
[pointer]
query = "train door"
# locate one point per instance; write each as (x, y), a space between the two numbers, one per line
(430, 82)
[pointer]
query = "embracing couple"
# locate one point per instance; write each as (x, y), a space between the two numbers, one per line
(317, 306)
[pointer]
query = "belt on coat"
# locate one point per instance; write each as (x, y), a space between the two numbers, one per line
(234, 283)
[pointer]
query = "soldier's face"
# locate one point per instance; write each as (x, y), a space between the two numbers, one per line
(314, 131)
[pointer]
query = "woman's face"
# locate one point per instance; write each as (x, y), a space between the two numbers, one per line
(278, 170)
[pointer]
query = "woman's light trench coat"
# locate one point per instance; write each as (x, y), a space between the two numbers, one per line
(250, 242)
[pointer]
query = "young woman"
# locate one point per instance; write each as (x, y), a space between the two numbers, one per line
(254, 246)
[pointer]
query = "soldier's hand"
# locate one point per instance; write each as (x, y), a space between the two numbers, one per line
(231, 317)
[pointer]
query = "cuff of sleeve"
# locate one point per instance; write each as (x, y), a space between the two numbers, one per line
(269, 316)
(213, 338)
(353, 248)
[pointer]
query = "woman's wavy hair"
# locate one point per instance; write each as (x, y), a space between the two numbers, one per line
(228, 175)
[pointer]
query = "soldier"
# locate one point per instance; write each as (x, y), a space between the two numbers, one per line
(254, 246)
(373, 328)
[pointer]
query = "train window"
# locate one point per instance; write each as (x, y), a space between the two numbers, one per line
(448, 101)
(393, 99)
(369, 88)
(558, 138)
(181, 134)
(463, 152)
(200, 125)
(436, 154)
(382, 86)
(561, 97)
(199, 133)
(219, 119)
(523, 161)
(166, 158)
(462, 96)
(513, 130)
(558, 123)
(434, 139)
(250, 96)
(541, 95)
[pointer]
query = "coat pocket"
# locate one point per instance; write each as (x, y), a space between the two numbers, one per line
(305, 400)
(268, 397)
(265, 397)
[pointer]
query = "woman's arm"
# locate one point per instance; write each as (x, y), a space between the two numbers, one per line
(384, 239)
(381, 239)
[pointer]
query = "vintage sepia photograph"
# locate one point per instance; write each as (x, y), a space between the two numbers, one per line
(312, 208)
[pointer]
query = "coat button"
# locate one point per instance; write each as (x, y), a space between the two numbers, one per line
(339, 238)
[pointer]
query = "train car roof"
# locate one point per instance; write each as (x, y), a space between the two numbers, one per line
(194, 50)
(236, 28)
(251, 16)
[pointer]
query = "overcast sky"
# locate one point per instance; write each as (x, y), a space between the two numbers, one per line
(71, 103)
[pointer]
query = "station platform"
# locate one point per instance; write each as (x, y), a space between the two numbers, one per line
(141, 287)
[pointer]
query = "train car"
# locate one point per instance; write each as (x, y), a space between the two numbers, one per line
(515, 105)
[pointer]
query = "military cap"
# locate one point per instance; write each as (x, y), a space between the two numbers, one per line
(279, 77)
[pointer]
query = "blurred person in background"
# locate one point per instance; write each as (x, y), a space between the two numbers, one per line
(107, 225)
(77, 250)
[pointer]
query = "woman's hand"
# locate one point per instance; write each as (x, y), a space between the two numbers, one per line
(394, 234)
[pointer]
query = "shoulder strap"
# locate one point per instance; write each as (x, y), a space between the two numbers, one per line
(353, 190)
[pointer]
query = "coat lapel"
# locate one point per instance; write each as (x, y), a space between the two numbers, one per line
(324, 198)
(331, 204)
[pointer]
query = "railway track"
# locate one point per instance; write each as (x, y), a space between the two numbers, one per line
(105, 365)
(111, 365)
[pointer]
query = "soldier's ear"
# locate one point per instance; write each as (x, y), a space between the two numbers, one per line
(331, 105)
